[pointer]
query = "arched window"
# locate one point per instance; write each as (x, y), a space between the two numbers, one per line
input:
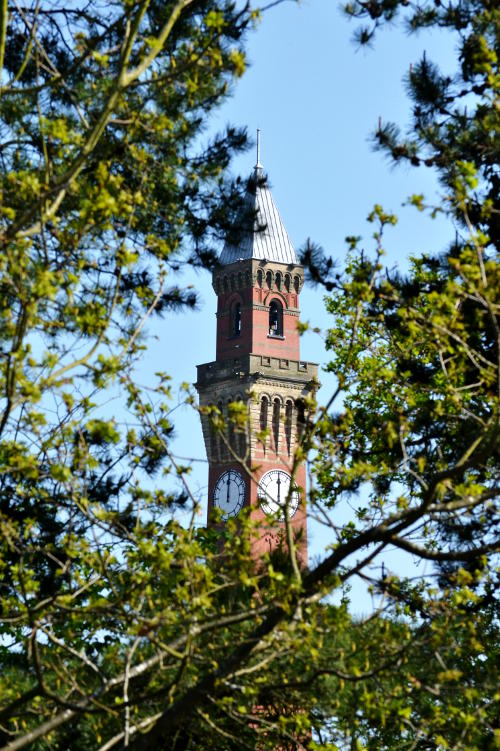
(220, 446)
(275, 318)
(276, 424)
(301, 417)
(288, 425)
(240, 443)
(264, 409)
(230, 431)
(264, 406)
(236, 319)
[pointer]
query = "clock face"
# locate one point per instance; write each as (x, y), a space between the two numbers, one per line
(229, 493)
(274, 492)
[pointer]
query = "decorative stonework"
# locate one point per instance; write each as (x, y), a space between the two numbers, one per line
(262, 274)
(253, 366)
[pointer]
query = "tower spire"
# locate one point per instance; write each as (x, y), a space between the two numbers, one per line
(258, 166)
(264, 235)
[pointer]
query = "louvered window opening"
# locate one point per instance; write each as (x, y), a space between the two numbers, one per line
(236, 319)
(275, 319)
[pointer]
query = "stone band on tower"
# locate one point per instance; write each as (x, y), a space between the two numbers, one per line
(258, 363)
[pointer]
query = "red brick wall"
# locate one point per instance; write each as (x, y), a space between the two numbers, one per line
(254, 336)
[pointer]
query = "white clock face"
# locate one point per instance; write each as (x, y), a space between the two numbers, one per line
(229, 493)
(274, 493)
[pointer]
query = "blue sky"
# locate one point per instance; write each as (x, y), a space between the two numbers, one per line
(316, 99)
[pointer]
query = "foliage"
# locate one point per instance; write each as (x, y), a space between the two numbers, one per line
(426, 682)
(123, 624)
(416, 441)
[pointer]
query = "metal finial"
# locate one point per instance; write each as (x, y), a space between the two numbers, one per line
(258, 149)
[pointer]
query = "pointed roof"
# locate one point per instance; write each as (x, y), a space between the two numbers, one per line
(267, 238)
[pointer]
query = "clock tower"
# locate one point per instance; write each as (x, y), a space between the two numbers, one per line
(251, 452)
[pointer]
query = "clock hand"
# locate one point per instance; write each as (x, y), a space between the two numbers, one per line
(279, 489)
(227, 496)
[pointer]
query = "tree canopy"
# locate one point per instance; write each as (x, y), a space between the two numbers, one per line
(122, 623)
